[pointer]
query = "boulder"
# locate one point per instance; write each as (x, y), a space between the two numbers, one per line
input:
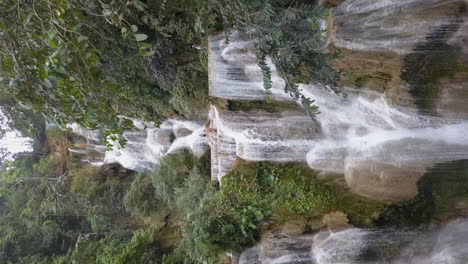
(114, 170)
(336, 221)
(293, 228)
(182, 132)
(165, 137)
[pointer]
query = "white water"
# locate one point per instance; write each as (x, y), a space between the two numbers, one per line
(378, 147)
(146, 143)
(447, 245)
(364, 122)
(444, 245)
(359, 133)
(12, 142)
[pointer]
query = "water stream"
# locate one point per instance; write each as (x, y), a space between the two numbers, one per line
(444, 245)
(146, 143)
(382, 149)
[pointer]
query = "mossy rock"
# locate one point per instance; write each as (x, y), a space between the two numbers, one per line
(270, 107)
(443, 194)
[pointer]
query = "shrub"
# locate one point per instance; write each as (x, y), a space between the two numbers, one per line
(286, 189)
(118, 247)
(171, 173)
(141, 199)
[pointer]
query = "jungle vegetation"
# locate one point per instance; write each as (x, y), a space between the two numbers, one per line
(101, 62)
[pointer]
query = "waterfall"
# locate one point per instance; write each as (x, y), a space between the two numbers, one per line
(147, 143)
(382, 149)
(444, 245)
(281, 134)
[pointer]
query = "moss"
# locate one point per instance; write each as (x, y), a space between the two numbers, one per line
(437, 67)
(361, 80)
(270, 107)
(439, 190)
(288, 191)
(429, 64)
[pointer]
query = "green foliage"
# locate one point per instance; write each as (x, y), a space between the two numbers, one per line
(28, 232)
(116, 248)
(17, 170)
(171, 173)
(56, 60)
(141, 199)
(188, 196)
(290, 33)
(50, 62)
(212, 229)
(90, 183)
(43, 216)
(284, 190)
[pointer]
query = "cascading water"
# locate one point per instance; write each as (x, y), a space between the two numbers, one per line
(382, 150)
(147, 143)
(445, 245)
(381, 147)
(258, 134)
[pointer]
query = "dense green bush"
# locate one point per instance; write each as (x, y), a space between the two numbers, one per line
(171, 173)
(272, 188)
(115, 248)
(84, 61)
(141, 199)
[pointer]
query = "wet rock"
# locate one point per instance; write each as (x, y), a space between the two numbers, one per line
(461, 207)
(333, 3)
(114, 170)
(250, 256)
(294, 228)
(452, 97)
(336, 221)
(382, 182)
(182, 132)
(391, 171)
(77, 141)
(165, 137)
(277, 245)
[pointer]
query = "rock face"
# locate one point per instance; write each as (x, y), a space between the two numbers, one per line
(294, 228)
(182, 132)
(277, 247)
(413, 50)
(336, 221)
(115, 170)
(165, 137)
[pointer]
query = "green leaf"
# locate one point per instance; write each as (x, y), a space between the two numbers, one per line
(134, 28)
(54, 44)
(140, 37)
(147, 53)
(144, 45)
